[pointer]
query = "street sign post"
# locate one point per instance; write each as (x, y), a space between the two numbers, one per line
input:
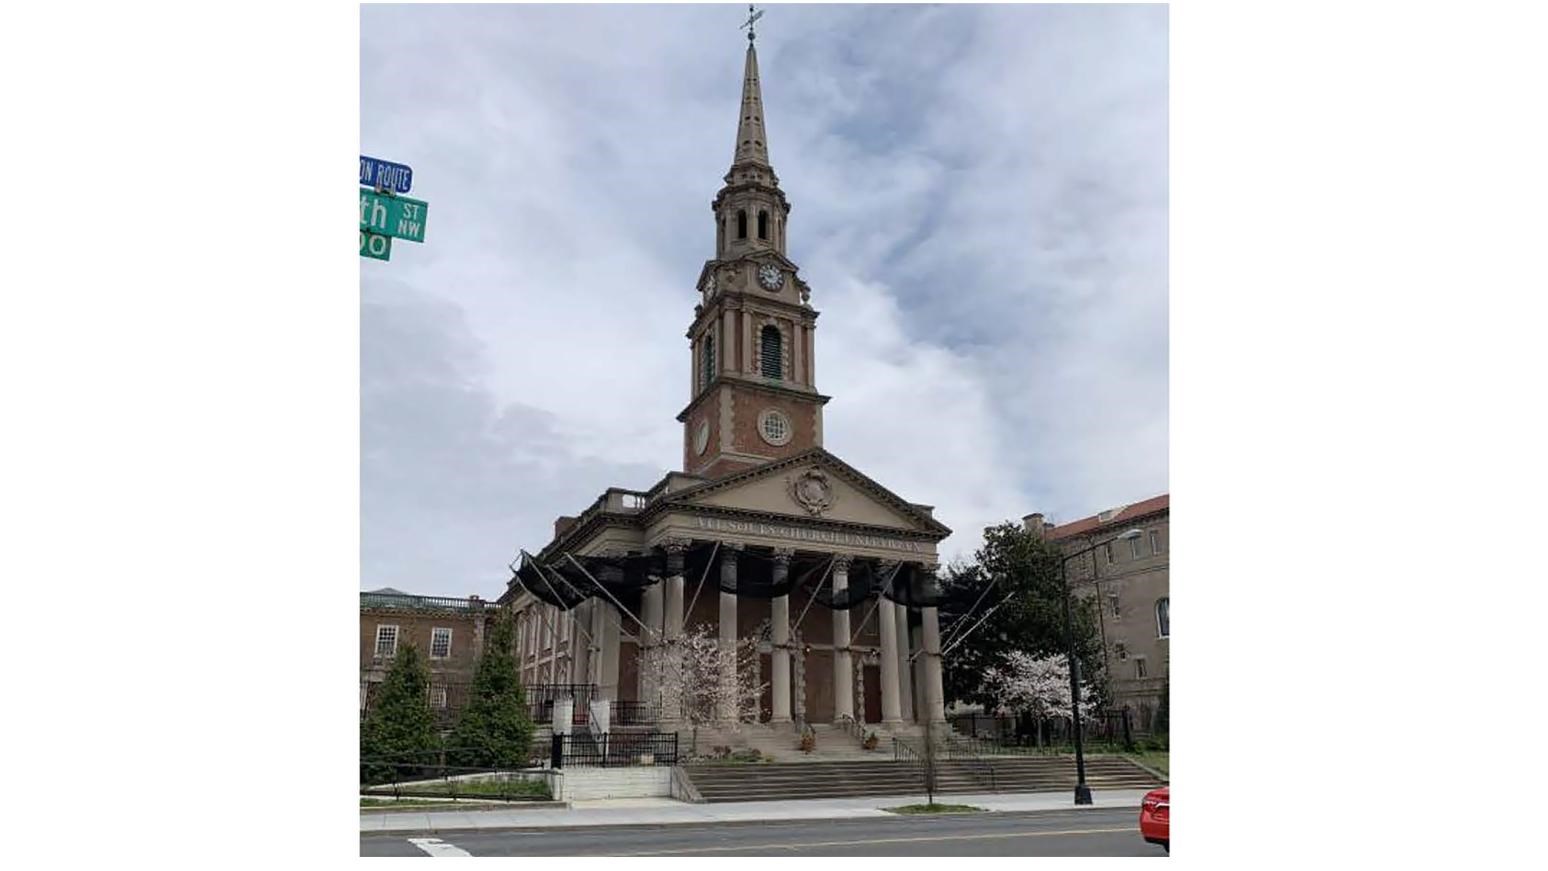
(385, 175)
(375, 245)
(399, 217)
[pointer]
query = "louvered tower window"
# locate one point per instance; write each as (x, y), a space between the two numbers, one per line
(708, 373)
(769, 352)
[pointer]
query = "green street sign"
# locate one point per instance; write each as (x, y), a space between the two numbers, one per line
(399, 217)
(375, 245)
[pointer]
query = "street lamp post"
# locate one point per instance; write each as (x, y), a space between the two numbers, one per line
(1082, 791)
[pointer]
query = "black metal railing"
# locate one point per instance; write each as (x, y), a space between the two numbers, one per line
(428, 774)
(617, 749)
(625, 713)
(1103, 730)
(541, 698)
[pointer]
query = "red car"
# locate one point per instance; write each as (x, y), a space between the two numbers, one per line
(1155, 813)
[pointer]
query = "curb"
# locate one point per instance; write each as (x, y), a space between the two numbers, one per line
(878, 814)
(462, 807)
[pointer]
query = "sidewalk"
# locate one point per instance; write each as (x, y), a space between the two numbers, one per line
(666, 811)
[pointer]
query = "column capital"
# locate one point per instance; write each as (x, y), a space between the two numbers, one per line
(736, 546)
(676, 546)
(842, 561)
(782, 555)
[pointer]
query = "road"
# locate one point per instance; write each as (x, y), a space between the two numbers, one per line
(1101, 832)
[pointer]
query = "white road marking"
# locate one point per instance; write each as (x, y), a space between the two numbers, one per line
(437, 847)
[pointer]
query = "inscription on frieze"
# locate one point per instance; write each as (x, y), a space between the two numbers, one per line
(818, 536)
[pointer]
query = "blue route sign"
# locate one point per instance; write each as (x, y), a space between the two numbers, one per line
(385, 175)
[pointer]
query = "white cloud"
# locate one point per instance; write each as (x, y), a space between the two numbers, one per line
(979, 205)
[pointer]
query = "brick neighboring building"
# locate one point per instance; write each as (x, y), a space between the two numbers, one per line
(448, 632)
(1130, 581)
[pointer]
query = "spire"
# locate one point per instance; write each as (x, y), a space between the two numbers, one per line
(752, 144)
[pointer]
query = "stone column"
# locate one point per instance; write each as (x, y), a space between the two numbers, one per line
(905, 668)
(935, 705)
(649, 642)
(779, 620)
(580, 631)
(672, 628)
(730, 552)
(594, 672)
(843, 668)
(607, 645)
(885, 616)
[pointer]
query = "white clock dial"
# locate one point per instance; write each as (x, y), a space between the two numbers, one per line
(701, 438)
(770, 277)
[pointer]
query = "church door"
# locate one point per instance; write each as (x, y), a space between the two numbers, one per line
(872, 675)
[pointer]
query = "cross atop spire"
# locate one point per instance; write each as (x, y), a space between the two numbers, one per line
(752, 16)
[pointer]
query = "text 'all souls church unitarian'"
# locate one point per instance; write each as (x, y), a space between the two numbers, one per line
(764, 535)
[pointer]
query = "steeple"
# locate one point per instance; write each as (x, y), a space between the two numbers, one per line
(750, 210)
(752, 144)
(752, 385)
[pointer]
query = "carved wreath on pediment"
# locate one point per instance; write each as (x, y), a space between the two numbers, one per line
(813, 491)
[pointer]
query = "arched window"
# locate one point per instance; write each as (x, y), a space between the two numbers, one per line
(769, 352)
(1163, 617)
(708, 373)
(763, 224)
(741, 224)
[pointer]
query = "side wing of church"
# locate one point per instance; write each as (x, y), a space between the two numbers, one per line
(764, 535)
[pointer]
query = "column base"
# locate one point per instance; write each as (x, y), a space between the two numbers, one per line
(892, 724)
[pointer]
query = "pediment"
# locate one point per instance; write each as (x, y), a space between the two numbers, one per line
(814, 485)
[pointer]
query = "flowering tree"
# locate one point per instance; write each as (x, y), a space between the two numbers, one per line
(1039, 686)
(691, 676)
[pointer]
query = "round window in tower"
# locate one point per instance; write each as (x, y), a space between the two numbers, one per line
(775, 427)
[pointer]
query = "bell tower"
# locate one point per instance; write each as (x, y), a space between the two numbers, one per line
(753, 393)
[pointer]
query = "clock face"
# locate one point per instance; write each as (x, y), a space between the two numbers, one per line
(770, 277)
(701, 438)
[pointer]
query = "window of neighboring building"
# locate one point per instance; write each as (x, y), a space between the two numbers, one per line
(1134, 547)
(1164, 617)
(1112, 602)
(1155, 541)
(1107, 552)
(440, 642)
(1139, 667)
(386, 640)
(438, 697)
(1122, 650)
(770, 350)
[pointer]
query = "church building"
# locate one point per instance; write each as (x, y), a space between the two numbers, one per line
(764, 535)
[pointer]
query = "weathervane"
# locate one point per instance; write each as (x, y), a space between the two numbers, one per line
(751, 17)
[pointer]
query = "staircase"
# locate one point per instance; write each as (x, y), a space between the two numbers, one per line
(885, 777)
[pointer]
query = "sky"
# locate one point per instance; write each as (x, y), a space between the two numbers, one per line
(979, 204)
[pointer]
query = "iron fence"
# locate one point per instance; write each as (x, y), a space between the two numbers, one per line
(541, 698)
(1055, 734)
(428, 774)
(635, 713)
(617, 749)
